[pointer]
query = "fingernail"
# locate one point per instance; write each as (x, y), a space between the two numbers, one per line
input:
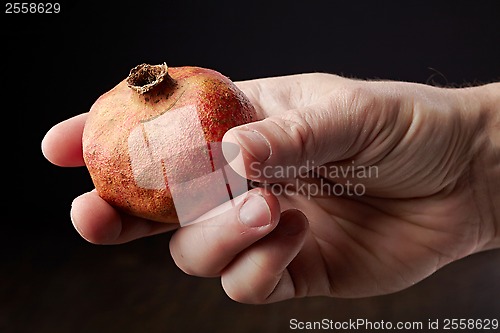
(254, 143)
(255, 212)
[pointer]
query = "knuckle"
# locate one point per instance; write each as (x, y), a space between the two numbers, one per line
(296, 132)
(354, 97)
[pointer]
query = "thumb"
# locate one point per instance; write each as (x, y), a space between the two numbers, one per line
(290, 143)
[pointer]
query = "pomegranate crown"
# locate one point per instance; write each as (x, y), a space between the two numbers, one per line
(144, 77)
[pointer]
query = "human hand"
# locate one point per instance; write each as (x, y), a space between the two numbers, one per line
(429, 186)
(420, 212)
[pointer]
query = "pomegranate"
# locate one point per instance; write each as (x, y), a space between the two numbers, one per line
(152, 144)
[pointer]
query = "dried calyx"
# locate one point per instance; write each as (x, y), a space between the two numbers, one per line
(144, 77)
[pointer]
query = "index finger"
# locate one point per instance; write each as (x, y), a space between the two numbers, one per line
(62, 145)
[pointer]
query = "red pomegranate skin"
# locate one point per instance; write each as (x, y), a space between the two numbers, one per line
(134, 144)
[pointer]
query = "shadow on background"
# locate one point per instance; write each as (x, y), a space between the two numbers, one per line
(137, 288)
(55, 66)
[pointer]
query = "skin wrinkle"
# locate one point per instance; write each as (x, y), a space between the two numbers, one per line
(313, 238)
(279, 283)
(214, 245)
(442, 258)
(392, 215)
(321, 119)
(332, 289)
(307, 136)
(296, 99)
(395, 257)
(405, 263)
(281, 276)
(471, 181)
(483, 145)
(446, 165)
(297, 280)
(459, 145)
(260, 267)
(217, 247)
(490, 120)
(414, 129)
(344, 225)
(357, 105)
(389, 137)
(442, 166)
(272, 101)
(424, 228)
(303, 131)
(268, 144)
(460, 237)
(412, 125)
(445, 169)
(220, 247)
(337, 289)
(353, 240)
(281, 128)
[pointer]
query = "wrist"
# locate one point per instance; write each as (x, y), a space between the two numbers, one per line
(482, 110)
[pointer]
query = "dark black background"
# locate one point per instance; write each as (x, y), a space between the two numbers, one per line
(55, 65)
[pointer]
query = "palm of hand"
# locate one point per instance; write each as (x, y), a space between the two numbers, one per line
(414, 217)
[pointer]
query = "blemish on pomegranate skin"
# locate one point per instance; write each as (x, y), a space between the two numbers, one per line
(145, 135)
(164, 171)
